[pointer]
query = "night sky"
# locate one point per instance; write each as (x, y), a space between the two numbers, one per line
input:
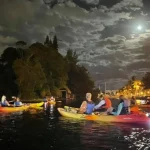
(108, 35)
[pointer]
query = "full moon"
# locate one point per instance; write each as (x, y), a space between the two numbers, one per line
(139, 27)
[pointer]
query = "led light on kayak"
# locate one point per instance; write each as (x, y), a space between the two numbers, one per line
(148, 114)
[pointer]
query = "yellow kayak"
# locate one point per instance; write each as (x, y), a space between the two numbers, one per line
(21, 108)
(52, 102)
(34, 105)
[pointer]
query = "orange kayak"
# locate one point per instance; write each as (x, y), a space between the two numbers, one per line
(13, 109)
(131, 118)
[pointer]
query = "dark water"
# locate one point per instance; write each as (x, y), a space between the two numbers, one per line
(38, 129)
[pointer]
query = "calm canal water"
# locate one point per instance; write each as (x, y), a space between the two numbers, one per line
(38, 129)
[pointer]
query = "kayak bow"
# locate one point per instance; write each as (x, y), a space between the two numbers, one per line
(35, 105)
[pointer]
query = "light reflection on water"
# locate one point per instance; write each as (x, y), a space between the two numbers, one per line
(140, 139)
(47, 130)
(95, 135)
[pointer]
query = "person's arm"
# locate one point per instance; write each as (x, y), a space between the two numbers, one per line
(21, 104)
(83, 107)
(109, 110)
(102, 102)
(120, 106)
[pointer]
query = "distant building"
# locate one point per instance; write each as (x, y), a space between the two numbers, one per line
(65, 93)
(111, 92)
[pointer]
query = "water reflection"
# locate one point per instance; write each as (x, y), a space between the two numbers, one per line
(139, 139)
(96, 135)
(46, 129)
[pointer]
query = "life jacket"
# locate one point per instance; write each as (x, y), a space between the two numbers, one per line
(107, 103)
(90, 107)
(3, 103)
(17, 104)
(126, 107)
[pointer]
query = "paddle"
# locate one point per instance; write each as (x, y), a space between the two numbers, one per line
(10, 101)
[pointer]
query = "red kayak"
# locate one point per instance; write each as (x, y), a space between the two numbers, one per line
(131, 118)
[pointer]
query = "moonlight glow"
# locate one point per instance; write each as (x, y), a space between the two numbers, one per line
(139, 27)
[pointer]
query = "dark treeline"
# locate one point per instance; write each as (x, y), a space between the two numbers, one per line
(39, 69)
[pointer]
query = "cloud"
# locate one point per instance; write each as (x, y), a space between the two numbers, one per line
(7, 40)
(128, 5)
(101, 36)
(19, 12)
(93, 2)
(2, 48)
(1, 28)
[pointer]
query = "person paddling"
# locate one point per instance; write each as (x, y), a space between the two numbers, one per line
(4, 102)
(17, 102)
(87, 105)
(104, 104)
(123, 107)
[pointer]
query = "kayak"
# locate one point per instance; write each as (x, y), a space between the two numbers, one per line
(35, 105)
(52, 102)
(21, 108)
(131, 118)
(13, 109)
(144, 106)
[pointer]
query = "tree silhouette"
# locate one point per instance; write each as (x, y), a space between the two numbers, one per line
(48, 42)
(55, 43)
(20, 47)
(146, 80)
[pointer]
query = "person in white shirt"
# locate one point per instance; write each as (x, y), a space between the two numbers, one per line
(4, 102)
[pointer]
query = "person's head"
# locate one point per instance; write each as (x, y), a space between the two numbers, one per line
(106, 96)
(100, 97)
(52, 98)
(121, 97)
(3, 97)
(88, 96)
(17, 99)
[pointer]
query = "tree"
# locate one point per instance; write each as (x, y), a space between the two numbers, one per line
(53, 64)
(133, 78)
(7, 76)
(41, 70)
(55, 43)
(21, 46)
(9, 55)
(46, 40)
(48, 43)
(71, 57)
(30, 76)
(79, 81)
(146, 80)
